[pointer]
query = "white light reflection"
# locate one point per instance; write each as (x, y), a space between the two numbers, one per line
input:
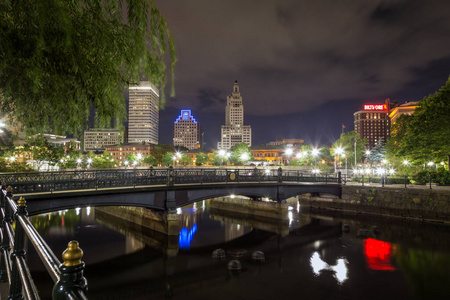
(298, 207)
(77, 211)
(317, 264)
(204, 204)
(232, 196)
(340, 269)
(290, 208)
(178, 211)
(88, 210)
(291, 217)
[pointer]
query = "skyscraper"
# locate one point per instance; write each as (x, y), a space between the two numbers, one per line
(186, 131)
(234, 131)
(143, 113)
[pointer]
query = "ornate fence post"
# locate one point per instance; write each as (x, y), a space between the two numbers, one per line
(71, 284)
(15, 290)
(280, 174)
(170, 176)
(5, 238)
(339, 177)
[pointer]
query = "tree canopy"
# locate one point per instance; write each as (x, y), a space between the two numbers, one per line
(425, 135)
(62, 60)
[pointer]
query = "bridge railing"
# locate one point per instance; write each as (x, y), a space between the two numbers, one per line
(68, 276)
(41, 182)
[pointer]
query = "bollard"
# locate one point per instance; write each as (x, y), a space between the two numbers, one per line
(429, 177)
(72, 284)
(15, 290)
(339, 177)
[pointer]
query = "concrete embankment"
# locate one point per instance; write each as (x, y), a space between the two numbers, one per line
(413, 203)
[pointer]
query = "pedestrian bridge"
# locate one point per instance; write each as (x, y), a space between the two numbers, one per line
(162, 189)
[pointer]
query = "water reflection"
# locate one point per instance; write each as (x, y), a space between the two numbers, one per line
(339, 270)
(410, 262)
(378, 254)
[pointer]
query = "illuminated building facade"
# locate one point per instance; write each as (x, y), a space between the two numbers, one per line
(404, 109)
(143, 113)
(119, 152)
(373, 123)
(186, 131)
(234, 131)
(98, 139)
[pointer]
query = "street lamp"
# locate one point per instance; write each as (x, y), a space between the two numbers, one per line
(126, 163)
(344, 155)
(244, 157)
(89, 161)
(79, 162)
(222, 153)
(289, 152)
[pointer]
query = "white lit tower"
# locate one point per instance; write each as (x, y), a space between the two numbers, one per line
(234, 131)
(143, 113)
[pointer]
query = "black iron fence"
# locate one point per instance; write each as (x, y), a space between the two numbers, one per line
(16, 228)
(41, 182)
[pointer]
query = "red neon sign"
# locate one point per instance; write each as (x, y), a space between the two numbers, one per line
(375, 107)
(378, 254)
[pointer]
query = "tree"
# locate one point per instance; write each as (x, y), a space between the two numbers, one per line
(237, 152)
(378, 152)
(59, 59)
(160, 150)
(131, 158)
(347, 143)
(185, 160)
(41, 150)
(150, 160)
(167, 159)
(427, 134)
(201, 159)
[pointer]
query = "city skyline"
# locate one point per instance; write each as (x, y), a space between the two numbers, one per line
(304, 67)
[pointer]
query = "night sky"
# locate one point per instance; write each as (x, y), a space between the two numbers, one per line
(304, 67)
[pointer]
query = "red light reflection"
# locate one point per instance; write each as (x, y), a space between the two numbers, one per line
(378, 254)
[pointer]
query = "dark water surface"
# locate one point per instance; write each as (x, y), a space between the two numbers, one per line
(307, 256)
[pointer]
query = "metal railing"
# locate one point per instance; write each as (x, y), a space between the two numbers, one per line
(42, 182)
(68, 276)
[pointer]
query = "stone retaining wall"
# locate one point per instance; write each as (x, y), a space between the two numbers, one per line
(420, 204)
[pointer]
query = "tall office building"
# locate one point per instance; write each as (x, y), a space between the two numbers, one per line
(186, 131)
(143, 113)
(373, 123)
(234, 131)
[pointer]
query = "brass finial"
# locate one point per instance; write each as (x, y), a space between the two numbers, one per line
(9, 189)
(72, 255)
(21, 201)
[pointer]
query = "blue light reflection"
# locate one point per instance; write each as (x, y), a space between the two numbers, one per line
(186, 236)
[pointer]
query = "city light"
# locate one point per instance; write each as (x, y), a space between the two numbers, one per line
(431, 163)
(405, 162)
(299, 155)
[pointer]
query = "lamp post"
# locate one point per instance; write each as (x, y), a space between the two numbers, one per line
(222, 153)
(339, 151)
(89, 161)
(79, 162)
(314, 153)
(139, 156)
(344, 155)
(288, 152)
(244, 157)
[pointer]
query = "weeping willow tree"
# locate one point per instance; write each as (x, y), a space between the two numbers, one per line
(63, 60)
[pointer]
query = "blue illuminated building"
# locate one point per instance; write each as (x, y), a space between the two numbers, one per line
(186, 131)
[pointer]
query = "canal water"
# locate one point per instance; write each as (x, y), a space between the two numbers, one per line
(307, 255)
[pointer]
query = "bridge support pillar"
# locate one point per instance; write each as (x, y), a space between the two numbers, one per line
(171, 203)
(280, 195)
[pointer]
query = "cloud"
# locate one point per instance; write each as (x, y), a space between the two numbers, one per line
(293, 56)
